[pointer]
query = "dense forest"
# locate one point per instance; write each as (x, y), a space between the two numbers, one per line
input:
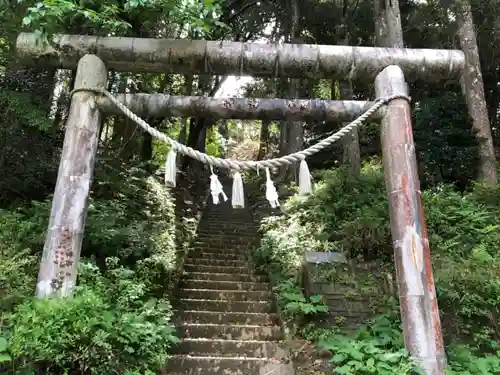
(119, 319)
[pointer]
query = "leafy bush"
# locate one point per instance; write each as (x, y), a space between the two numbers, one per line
(465, 360)
(31, 149)
(352, 216)
(376, 348)
(109, 324)
(119, 318)
(295, 302)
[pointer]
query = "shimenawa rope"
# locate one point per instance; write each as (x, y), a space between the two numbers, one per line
(238, 165)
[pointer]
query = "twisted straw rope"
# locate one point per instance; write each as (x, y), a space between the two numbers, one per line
(237, 164)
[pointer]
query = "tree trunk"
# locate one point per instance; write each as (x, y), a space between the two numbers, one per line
(188, 90)
(473, 88)
(351, 155)
(146, 147)
(264, 140)
(293, 138)
(388, 29)
(224, 135)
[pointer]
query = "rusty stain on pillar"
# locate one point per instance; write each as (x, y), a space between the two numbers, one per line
(419, 311)
(61, 252)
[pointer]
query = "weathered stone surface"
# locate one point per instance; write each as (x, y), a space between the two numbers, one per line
(221, 305)
(324, 257)
(231, 331)
(190, 267)
(228, 317)
(212, 276)
(218, 262)
(306, 110)
(349, 290)
(225, 285)
(231, 348)
(202, 365)
(232, 58)
(225, 309)
(227, 295)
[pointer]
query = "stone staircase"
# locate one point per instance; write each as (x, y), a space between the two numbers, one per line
(224, 309)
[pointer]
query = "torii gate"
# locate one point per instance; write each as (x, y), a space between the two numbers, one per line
(92, 56)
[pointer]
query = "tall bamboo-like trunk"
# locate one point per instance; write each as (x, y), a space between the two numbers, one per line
(473, 88)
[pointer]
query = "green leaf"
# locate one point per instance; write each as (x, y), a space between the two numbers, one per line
(5, 358)
(3, 344)
(315, 299)
(346, 370)
(338, 358)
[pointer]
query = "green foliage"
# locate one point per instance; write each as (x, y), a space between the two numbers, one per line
(18, 106)
(109, 324)
(352, 216)
(446, 146)
(294, 303)
(465, 360)
(119, 318)
(4, 354)
(376, 348)
(47, 17)
(29, 148)
(283, 245)
(137, 223)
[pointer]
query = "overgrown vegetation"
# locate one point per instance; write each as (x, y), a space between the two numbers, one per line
(118, 320)
(351, 216)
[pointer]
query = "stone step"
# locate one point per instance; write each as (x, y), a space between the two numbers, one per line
(190, 267)
(231, 348)
(190, 283)
(265, 307)
(227, 317)
(241, 250)
(230, 332)
(221, 224)
(216, 221)
(207, 276)
(233, 295)
(221, 249)
(232, 235)
(217, 262)
(229, 239)
(201, 254)
(200, 365)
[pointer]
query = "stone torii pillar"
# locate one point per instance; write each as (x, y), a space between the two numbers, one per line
(61, 252)
(412, 257)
